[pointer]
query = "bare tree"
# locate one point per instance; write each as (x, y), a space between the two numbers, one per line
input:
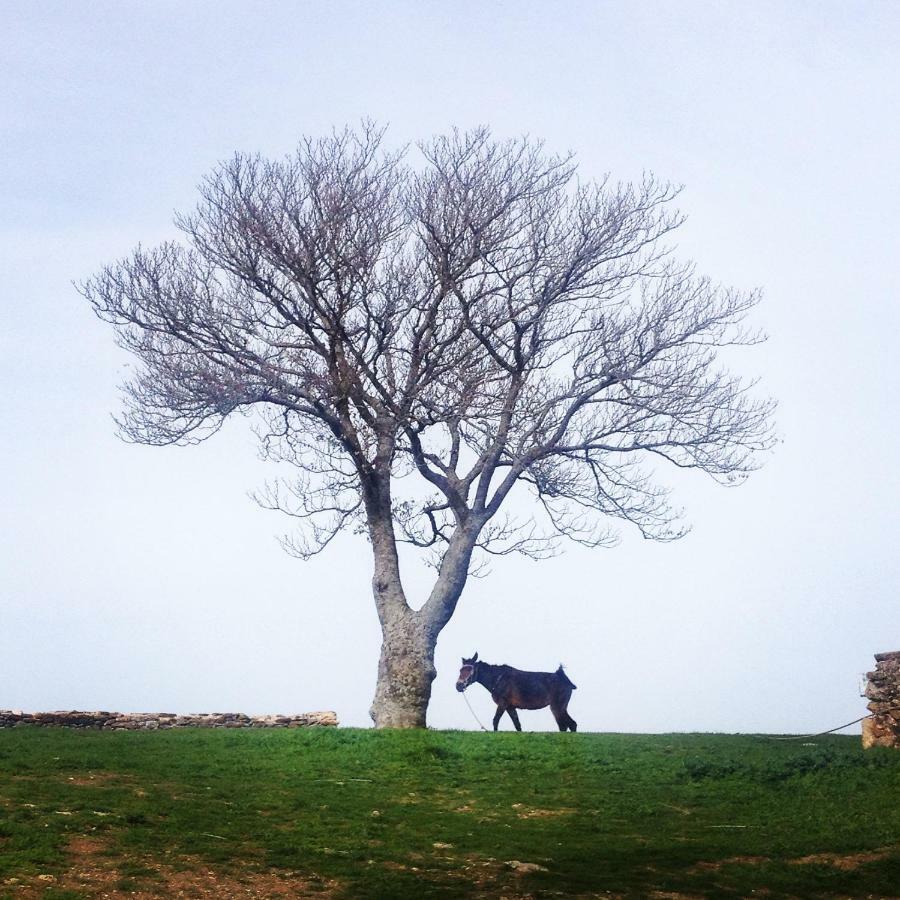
(480, 322)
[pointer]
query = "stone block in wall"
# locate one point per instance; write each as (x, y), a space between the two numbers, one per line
(114, 721)
(882, 727)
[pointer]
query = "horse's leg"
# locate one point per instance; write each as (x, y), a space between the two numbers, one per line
(500, 710)
(571, 724)
(560, 721)
(563, 719)
(515, 717)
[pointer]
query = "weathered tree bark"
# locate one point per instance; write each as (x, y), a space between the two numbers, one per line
(406, 666)
(405, 673)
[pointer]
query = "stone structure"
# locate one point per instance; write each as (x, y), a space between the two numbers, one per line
(882, 728)
(113, 721)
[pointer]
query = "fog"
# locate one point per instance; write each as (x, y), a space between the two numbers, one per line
(141, 579)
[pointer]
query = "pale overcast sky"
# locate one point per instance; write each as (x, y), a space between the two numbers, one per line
(145, 579)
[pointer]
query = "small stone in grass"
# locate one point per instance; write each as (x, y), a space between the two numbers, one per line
(525, 867)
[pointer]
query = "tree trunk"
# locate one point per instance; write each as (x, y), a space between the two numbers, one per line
(406, 666)
(405, 672)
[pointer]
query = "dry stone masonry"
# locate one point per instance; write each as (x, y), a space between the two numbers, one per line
(882, 728)
(113, 721)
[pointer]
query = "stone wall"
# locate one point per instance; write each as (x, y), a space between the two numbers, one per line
(113, 721)
(882, 728)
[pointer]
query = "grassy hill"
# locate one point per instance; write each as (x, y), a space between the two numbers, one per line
(379, 814)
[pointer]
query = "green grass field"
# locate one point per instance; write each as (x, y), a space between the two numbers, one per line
(343, 812)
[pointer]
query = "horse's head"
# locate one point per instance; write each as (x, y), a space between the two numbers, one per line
(467, 672)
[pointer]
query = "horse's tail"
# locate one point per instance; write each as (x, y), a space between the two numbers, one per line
(561, 673)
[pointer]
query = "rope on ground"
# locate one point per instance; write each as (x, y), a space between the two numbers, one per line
(797, 737)
(800, 737)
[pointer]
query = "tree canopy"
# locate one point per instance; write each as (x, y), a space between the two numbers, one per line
(469, 313)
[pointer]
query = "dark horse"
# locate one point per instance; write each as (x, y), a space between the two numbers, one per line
(514, 689)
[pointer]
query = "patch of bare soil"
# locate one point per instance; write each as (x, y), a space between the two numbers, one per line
(90, 779)
(97, 779)
(527, 812)
(93, 873)
(846, 862)
(489, 878)
(673, 895)
(714, 866)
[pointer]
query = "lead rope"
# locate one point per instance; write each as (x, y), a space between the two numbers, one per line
(473, 712)
(799, 737)
(792, 737)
